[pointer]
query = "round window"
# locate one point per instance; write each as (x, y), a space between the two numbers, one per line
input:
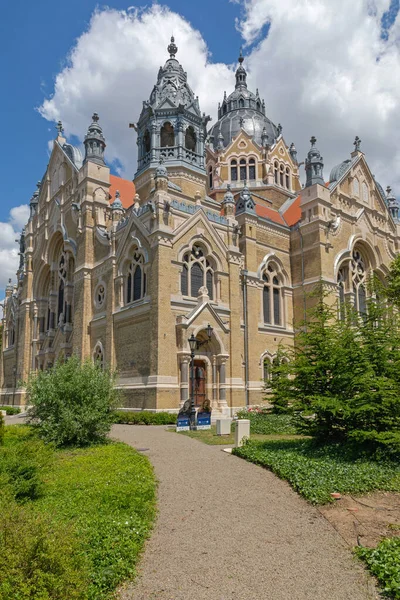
(100, 295)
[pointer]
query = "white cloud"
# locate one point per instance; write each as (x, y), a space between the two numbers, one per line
(113, 68)
(9, 249)
(323, 70)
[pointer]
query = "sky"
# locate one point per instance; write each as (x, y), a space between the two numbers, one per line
(329, 68)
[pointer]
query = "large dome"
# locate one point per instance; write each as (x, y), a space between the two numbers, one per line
(242, 110)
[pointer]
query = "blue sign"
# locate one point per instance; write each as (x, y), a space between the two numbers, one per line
(183, 424)
(203, 421)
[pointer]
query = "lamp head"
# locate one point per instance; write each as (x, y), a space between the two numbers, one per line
(192, 343)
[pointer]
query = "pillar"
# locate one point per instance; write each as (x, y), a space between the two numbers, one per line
(222, 383)
(184, 366)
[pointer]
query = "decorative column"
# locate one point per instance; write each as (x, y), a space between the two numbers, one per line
(201, 148)
(214, 382)
(179, 127)
(153, 140)
(184, 366)
(222, 382)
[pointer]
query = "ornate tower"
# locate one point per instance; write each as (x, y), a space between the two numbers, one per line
(94, 142)
(314, 165)
(171, 127)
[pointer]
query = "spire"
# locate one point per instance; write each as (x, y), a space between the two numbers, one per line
(9, 289)
(94, 142)
(117, 204)
(392, 203)
(357, 144)
(241, 74)
(60, 129)
(35, 199)
(314, 165)
(293, 152)
(172, 48)
(228, 198)
(245, 202)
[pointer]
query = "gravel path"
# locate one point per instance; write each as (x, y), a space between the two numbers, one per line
(229, 530)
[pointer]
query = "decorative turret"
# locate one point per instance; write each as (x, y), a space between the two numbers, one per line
(35, 199)
(94, 142)
(228, 203)
(293, 152)
(245, 202)
(171, 125)
(117, 208)
(161, 176)
(241, 74)
(9, 289)
(314, 165)
(392, 204)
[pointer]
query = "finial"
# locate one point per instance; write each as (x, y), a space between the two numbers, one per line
(117, 194)
(313, 141)
(9, 281)
(241, 121)
(279, 129)
(60, 128)
(95, 117)
(39, 184)
(357, 143)
(240, 59)
(388, 190)
(172, 48)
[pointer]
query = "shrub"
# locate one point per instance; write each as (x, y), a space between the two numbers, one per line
(264, 422)
(384, 563)
(72, 403)
(11, 410)
(1, 429)
(143, 418)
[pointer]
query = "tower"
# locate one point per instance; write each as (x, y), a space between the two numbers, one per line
(172, 129)
(314, 165)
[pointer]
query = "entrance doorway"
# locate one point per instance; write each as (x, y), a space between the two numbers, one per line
(200, 381)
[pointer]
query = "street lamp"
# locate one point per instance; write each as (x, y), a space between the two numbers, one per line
(194, 344)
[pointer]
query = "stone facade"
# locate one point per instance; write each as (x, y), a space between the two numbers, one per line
(215, 229)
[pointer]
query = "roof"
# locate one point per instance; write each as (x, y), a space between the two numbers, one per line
(269, 213)
(126, 190)
(293, 213)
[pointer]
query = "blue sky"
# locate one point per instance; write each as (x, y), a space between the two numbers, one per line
(329, 68)
(37, 37)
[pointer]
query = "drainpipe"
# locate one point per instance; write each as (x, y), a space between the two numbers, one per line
(246, 336)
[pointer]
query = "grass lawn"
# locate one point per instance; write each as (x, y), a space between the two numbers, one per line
(72, 522)
(209, 436)
(316, 472)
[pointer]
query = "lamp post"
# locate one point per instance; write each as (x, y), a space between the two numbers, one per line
(194, 345)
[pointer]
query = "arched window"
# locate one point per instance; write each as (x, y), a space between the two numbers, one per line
(62, 277)
(258, 105)
(210, 177)
(146, 141)
(234, 170)
(281, 175)
(190, 139)
(276, 173)
(287, 178)
(252, 169)
(98, 355)
(224, 109)
(196, 272)
(272, 296)
(365, 192)
(135, 279)
(359, 276)
(167, 135)
(356, 187)
(243, 169)
(341, 278)
(241, 103)
(266, 369)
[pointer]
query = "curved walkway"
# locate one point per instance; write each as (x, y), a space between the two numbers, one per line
(230, 530)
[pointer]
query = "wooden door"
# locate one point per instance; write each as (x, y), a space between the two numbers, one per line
(200, 380)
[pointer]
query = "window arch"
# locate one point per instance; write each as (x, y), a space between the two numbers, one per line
(190, 139)
(272, 296)
(210, 177)
(241, 103)
(281, 169)
(356, 187)
(287, 178)
(359, 280)
(267, 369)
(341, 279)
(243, 169)
(135, 279)
(197, 272)
(146, 141)
(252, 169)
(276, 167)
(98, 355)
(365, 193)
(167, 135)
(234, 170)
(62, 278)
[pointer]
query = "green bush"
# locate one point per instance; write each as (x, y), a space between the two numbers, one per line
(315, 471)
(72, 403)
(11, 410)
(266, 423)
(1, 429)
(82, 535)
(384, 563)
(143, 418)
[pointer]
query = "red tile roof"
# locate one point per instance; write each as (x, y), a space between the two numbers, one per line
(269, 213)
(126, 190)
(293, 214)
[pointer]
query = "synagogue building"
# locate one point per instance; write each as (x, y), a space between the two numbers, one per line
(222, 225)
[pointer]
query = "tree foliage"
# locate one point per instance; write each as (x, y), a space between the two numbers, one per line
(72, 403)
(342, 379)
